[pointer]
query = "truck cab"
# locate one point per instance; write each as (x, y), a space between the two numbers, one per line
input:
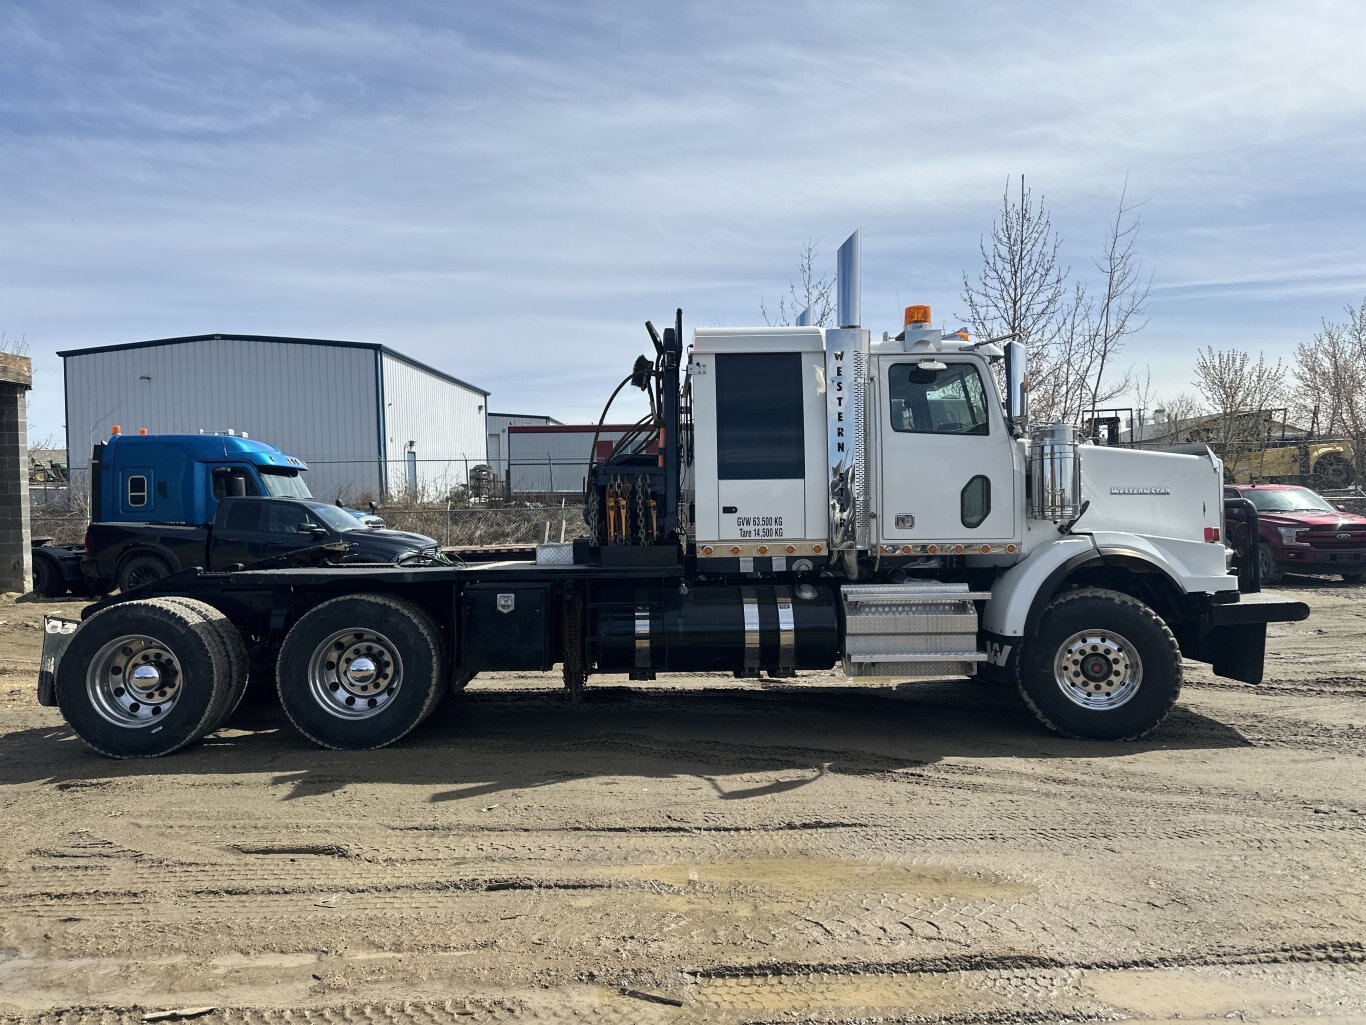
(180, 478)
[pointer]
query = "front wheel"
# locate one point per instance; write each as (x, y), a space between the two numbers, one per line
(1104, 666)
(1271, 573)
(361, 671)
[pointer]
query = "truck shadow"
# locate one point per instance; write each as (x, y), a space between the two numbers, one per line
(485, 742)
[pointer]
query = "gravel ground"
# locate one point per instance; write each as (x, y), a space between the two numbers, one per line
(705, 851)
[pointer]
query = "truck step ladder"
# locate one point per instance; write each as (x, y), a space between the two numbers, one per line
(911, 631)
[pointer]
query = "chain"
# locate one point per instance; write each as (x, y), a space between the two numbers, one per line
(575, 660)
(684, 527)
(640, 510)
(590, 516)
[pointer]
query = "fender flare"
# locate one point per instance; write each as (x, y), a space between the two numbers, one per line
(1110, 556)
(1020, 596)
(146, 548)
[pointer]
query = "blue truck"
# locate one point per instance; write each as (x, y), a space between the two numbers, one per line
(170, 481)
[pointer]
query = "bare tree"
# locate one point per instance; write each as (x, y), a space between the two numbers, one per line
(1074, 333)
(1240, 391)
(1121, 304)
(811, 291)
(14, 346)
(1330, 381)
(1020, 288)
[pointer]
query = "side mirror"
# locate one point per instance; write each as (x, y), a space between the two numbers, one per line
(1017, 387)
(373, 506)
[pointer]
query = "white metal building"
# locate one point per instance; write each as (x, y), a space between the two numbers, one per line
(366, 419)
(498, 424)
(552, 459)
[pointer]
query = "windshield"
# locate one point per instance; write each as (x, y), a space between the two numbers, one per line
(1288, 500)
(337, 519)
(284, 483)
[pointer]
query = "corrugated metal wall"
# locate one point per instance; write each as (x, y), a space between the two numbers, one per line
(551, 460)
(497, 448)
(444, 420)
(317, 402)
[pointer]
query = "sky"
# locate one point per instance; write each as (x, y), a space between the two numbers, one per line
(509, 190)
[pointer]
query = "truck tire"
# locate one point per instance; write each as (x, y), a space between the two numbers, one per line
(1103, 666)
(1332, 471)
(141, 569)
(223, 634)
(47, 577)
(142, 679)
(361, 671)
(1271, 573)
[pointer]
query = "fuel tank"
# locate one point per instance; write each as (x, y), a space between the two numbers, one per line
(741, 629)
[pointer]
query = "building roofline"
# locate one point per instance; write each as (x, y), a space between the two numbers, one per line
(571, 428)
(528, 416)
(335, 343)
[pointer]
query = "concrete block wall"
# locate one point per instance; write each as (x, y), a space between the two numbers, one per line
(16, 558)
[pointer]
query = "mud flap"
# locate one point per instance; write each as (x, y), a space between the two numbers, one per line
(57, 633)
(1237, 652)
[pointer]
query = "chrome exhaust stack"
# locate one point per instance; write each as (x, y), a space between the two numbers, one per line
(848, 278)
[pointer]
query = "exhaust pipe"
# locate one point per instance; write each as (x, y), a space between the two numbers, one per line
(848, 272)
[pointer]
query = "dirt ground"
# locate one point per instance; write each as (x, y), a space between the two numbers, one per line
(704, 851)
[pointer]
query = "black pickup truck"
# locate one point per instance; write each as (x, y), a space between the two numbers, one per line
(244, 531)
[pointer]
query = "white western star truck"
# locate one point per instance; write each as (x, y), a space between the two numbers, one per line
(803, 497)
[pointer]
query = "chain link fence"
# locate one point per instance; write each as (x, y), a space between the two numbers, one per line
(488, 526)
(468, 527)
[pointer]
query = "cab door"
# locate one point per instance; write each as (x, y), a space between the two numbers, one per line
(946, 461)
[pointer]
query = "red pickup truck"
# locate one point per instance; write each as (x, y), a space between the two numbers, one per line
(1299, 532)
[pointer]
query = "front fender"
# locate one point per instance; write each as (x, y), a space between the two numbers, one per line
(1020, 595)
(1014, 592)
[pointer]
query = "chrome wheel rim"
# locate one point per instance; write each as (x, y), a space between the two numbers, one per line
(133, 681)
(1098, 670)
(355, 674)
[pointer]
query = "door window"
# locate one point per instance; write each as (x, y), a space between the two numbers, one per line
(284, 518)
(948, 401)
(244, 517)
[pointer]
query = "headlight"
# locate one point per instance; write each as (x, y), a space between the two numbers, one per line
(1290, 535)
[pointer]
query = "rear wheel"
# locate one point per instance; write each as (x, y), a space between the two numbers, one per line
(47, 578)
(223, 635)
(142, 569)
(1271, 573)
(143, 678)
(361, 671)
(1103, 666)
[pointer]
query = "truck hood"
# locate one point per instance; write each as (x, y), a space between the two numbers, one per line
(383, 545)
(400, 536)
(1317, 521)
